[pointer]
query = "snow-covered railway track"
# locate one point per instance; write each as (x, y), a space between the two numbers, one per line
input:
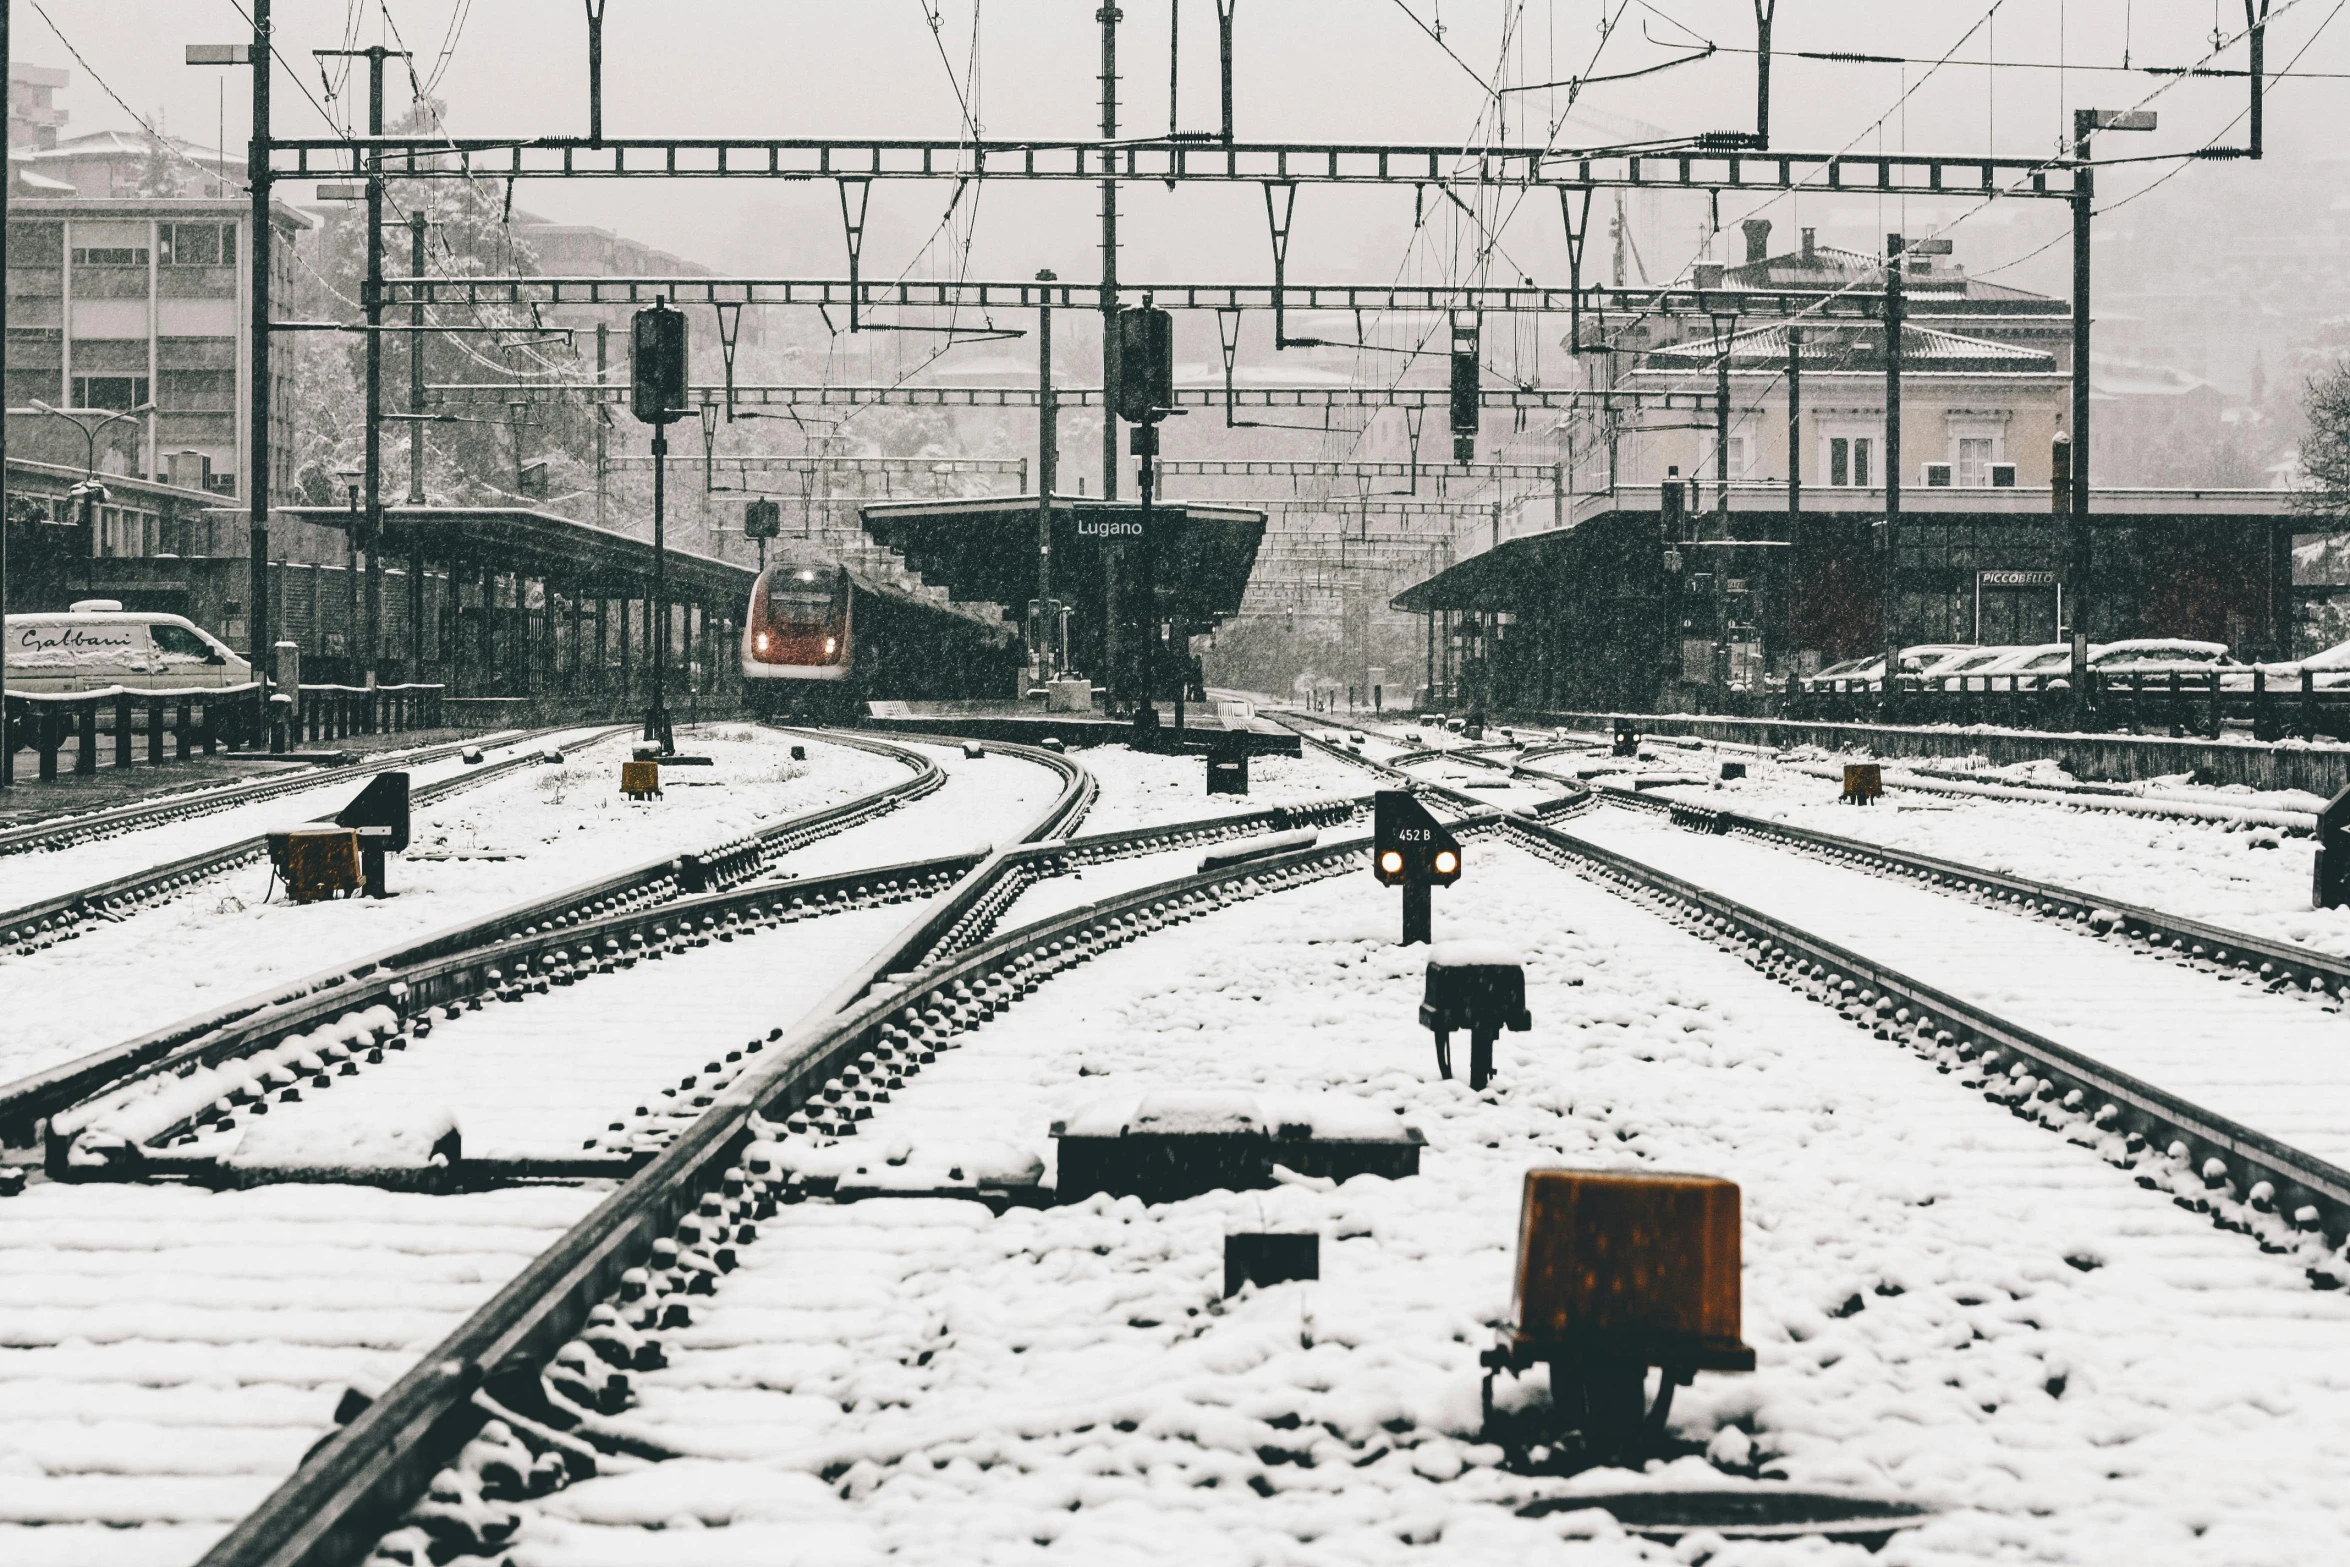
(531, 1392)
(2233, 1101)
(59, 916)
(842, 1050)
(177, 1439)
(594, 1055)
(2235, 1098)
(666, 1324)
(63, 832)
(292, 1004)
(2233, 956)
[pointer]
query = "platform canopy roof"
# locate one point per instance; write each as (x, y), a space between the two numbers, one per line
(1493, 580)
(985, 549)
(542, 544)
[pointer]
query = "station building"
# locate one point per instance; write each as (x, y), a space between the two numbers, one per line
(1660, 585)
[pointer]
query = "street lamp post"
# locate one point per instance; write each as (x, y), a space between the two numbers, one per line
(90, 491)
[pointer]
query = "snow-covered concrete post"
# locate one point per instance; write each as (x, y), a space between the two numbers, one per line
(2332, 889)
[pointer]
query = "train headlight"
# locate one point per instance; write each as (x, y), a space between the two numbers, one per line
(1447, 862)
(830, 646)
(759, 642)
(1391, 862)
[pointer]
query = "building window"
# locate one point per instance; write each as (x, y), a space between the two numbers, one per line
(1848, 461)
(1975, 455)
(1737, 452)
(109, 391)
(109, 255)
(196, 244)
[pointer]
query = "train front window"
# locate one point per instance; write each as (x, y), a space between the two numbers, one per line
(792, 601)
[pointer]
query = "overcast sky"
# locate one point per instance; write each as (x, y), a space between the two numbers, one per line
(1324, 70)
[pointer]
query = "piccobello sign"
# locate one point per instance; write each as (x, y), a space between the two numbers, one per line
(2019, 579)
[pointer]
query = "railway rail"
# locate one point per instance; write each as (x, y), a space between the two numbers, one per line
(23, 1104)
(2232, 955)
(2291, 1198)
(558, 1342)
(65, 832)
(57, 918)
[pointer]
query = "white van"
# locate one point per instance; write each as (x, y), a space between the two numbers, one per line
(98, 644)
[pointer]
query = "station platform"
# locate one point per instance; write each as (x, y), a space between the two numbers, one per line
(1025, 723)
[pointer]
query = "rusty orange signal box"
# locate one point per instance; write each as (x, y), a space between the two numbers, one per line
(640, 780)
(1863, 781)
(1628, 1268)
(1618, 1271)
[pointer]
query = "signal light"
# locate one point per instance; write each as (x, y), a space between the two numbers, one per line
(1411, 850)
(657, 365)
(1146, 364)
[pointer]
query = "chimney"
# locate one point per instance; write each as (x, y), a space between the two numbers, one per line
(1809, 253)
(1758, 239)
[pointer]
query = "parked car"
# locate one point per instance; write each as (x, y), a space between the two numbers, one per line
(2049, 666)
(1949, 673)
(2329, 671)
(98, 644)
(2160, 656)
(1869, 672)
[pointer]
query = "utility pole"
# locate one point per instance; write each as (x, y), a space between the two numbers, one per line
(1890, 602)
(2077, 543)
(257, 349)
(2075, 579)
(603, 358)
(373, 297)
(1721, 564)
(415, 662)
(1794, 428)
(1113, 554)
(1043, 622)
(7, 739)
(1109, 16)
(416, 364)
(371, 303)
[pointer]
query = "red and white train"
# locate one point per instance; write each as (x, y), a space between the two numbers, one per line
(819, 640)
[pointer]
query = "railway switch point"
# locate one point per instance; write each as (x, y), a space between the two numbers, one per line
(1412, 850)
(640, 780)
(1270, 1257)
(471, 756)
(1474, 986)
(1619, 1271)
(2332, 882)
(972, 750)
(552, 756)
(1864, 782)
(316, 862)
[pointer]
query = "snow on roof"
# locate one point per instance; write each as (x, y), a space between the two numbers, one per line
(1922, 347)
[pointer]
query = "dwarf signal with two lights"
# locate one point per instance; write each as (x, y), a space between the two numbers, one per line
(1413, 850)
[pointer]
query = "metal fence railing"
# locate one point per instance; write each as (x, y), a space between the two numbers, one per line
(178, 724)
(2171, 702)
